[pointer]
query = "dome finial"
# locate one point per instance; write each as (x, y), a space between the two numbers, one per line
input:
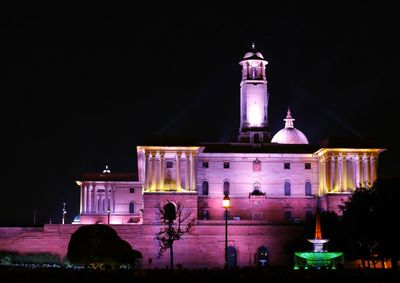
(289, 120)
(106, 170)
(253, 46)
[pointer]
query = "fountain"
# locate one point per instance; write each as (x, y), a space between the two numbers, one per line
(319, 257)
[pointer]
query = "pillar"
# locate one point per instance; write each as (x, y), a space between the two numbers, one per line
(161, 171)
(344, 173)
(146, 171)
(187, 173)
(193, 172)
(95, 201)
(373, 168)
(366, 171)
(178, 171)
(340, 172)
(153, 172)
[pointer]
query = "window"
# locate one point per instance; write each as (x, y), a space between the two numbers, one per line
(131, 207)
(287, 215)
(307, 165)
(132, 190)
(204, 188)
(226, 188)
(286, 165)
(226, 165)
(308, 189)
(205, 164)
(169, 164)
(170, 211)
(287, 189)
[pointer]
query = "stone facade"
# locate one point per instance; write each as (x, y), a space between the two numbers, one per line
(272, 187)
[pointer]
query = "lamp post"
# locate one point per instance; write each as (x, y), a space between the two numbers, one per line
(226, 205)
(108, 216)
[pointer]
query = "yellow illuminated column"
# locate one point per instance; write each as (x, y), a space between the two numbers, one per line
(373, 168)
(153, 172)
(340, 172)
(84, 199)
(333, 175)
(193, 172)
(162, 166)
(324, 176)
(147, 169)
(187, 173)
(344, 172)
(178, 171)
(365, 168)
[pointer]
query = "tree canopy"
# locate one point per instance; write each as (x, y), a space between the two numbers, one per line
(100, 244)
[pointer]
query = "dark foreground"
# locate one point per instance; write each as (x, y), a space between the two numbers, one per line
(269, 275)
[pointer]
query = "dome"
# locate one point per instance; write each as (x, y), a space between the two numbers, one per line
(253, 54)
(289, 134)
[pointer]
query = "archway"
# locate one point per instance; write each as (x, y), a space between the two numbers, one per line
(262, 256)
(232, 260)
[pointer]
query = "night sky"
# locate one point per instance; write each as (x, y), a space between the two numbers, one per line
(80, 92)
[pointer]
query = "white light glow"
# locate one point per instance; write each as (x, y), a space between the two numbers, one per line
(254, 115)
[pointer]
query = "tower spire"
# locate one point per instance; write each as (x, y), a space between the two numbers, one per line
(289, 120)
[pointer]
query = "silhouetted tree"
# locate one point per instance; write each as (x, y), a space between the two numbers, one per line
(177, 222)
(370, 221)
(98, 244)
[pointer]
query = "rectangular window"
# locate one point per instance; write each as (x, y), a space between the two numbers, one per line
(205, 215)
(205, 164)
(286, 165)
(169, 164)
(226, 165)
(132, 190)
(307, 165)
(288, 215)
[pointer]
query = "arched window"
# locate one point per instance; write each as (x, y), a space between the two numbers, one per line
(262, 256)
(287, 188)
(226, 188)
(131, 207)
(170, 211)
(308, 188)
(204, 188)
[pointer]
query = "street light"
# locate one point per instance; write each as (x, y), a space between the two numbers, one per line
(226, 205)
(108, 216)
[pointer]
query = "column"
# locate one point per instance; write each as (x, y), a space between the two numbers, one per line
(106, 199)
(89, 206)
(356, 171)
(84, 200)
(178, 171)
(187, 173)
(113, 200)
(372, 162)
(344, 173)
(153, 172)
(340, 172)
(320, 177)
(193, 172)
(333, 180)
(95, 202)
(162, 167)
(365, 169)
(146, 171)
(324, 176)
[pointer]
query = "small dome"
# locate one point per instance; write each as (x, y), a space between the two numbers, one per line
(253, 54)
(289, 134)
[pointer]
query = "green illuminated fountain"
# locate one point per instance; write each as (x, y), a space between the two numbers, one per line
(319, 257)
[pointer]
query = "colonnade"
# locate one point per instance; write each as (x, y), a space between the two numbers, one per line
(340, 172)
(97, 199)
(156, 170)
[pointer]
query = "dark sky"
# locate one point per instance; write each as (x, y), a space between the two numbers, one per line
(80, 92)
